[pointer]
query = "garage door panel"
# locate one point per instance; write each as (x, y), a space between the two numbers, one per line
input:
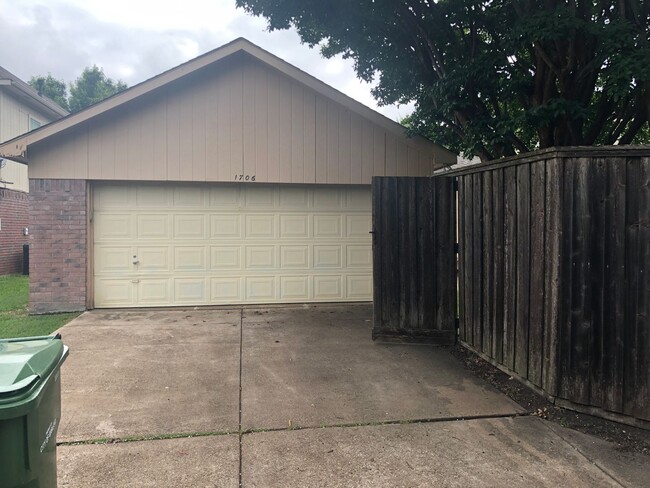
(326, 198)
(225, 226)
(225, 290)
(189, 226)
(188, 197)
(152, 226)
(230, 244)
(224, 197)
(115, 292)
(154, 292)
(260, 197)
(294, 198)
(294, 257)
(260, 288)
(260, 257)
(357, 200)
(260, 226)
(114, 258)
(328, 288)
(327, 226)
(358, 286)
(359, 256)
(153, 258)
(358, 226)
(294, 226)
(225, 257)
(294, 288)
(190, 290)
(114, 226)
(329, 256)
(112, 198)
(189, 258)
(153, 196)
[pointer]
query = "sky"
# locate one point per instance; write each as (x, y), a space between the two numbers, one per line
(133, 40)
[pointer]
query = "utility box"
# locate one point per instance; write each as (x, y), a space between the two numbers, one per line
(30, 410)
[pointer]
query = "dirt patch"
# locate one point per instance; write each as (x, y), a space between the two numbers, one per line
(626, 438)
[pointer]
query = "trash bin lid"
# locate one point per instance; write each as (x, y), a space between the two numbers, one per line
(24, 361)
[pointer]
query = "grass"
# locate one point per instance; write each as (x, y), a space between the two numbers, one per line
(15, 320)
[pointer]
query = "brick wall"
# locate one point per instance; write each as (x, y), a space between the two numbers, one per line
(57, 237)
(14, 211)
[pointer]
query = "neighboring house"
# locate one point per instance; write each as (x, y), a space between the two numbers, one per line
(234, 178)
(21, 109)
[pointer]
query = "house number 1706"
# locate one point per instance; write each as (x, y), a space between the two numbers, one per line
(244, 177)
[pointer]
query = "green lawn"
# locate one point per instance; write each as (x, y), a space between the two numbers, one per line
(15, 321)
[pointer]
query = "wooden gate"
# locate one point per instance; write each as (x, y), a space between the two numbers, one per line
(414, 259)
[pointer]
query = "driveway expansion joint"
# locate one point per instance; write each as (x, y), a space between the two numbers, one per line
(241, 436)
(377, 423)
(143, 438)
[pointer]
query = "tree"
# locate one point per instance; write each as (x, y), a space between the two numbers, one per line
(51, 88)
(91, 87)
(492, 78)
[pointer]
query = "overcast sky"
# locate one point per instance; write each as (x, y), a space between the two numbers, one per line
(133, 40)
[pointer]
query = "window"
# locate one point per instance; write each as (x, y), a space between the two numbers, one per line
(33, 123)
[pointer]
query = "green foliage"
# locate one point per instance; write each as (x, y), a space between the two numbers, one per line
(492, 78)
(14, 318)
(23, 325)
(52, 88)
(14, 292)
(92, 87)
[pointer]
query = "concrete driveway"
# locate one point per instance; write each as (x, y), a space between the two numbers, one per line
(296, 396)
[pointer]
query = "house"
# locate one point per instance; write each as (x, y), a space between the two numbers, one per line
(21, 109)
(234, 178)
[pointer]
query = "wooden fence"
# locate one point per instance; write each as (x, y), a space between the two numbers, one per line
(553, 272)
(414, 276)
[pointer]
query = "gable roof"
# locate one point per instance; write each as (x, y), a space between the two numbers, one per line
(16, 148)
(19, 87)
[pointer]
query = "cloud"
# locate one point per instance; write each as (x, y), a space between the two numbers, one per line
(135, 40)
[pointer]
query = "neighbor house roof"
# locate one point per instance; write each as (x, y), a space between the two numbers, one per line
(16, 148)
(23, 90)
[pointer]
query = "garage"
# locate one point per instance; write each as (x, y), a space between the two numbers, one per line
(233, 179)
(165, 244)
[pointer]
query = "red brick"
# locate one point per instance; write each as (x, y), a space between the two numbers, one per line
(58, 250)
(14, 215)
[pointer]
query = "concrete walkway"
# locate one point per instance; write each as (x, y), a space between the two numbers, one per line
(297, 397)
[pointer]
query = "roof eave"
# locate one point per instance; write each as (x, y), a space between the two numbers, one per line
(227, 50)
(44, 104)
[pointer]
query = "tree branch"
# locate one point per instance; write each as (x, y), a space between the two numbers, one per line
(516, 142)
(633, 129)
(545, 57)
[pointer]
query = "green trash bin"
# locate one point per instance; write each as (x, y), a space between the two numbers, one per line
(30, 410)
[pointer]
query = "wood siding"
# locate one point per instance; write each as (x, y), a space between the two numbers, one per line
(13, 176)
(14, 121)
(414, 261)
(236, 117)
(14, 116)
(554, 264)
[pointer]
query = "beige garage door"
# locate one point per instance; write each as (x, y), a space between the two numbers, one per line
(163, 244)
